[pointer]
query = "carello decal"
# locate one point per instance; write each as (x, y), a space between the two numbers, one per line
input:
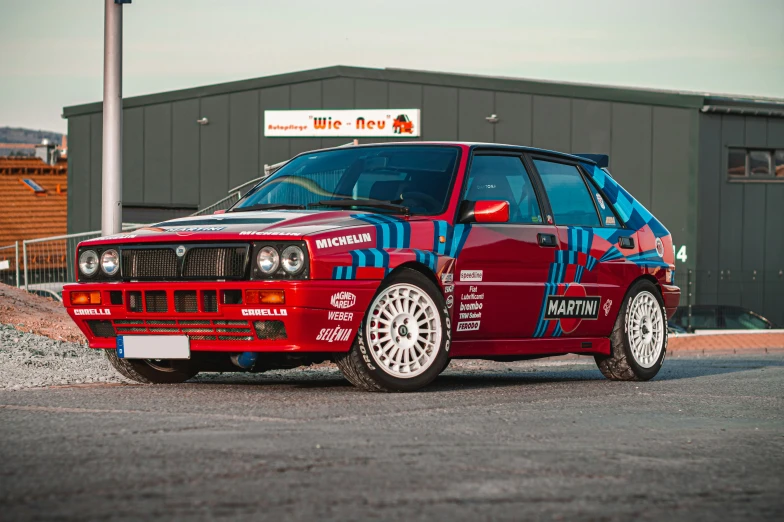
(572, 307)
(347, 123)
(264, 312)
(351, 239)
(92, 311)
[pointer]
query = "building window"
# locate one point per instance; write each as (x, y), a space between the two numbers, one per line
(755, 164)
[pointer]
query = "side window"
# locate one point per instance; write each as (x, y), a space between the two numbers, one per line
(704, 318)
(569, 197)
(737, 319)
(504, 178)
(609, 218)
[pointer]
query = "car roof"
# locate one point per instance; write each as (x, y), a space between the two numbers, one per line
(470, 144)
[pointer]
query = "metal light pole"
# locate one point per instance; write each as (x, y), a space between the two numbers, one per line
(111, 201)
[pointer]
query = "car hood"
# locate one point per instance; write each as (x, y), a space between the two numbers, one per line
(240, 225)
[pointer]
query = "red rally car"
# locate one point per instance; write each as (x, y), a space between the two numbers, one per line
(390, 260)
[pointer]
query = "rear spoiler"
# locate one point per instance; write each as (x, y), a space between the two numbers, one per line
(602, 160)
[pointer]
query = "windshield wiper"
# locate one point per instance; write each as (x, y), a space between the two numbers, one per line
(362, 202)
(269, 206)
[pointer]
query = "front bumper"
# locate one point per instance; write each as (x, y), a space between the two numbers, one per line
(312, 321)
(671, 296)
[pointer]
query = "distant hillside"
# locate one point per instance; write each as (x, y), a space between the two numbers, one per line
(18, 135)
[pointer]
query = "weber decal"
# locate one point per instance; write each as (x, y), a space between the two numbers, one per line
(332, 335)
(352, 239)
(334, 315)
(569, 307)
(343, 300)
(264, 312)
(92, 311)
(468, 326)
(471, 275)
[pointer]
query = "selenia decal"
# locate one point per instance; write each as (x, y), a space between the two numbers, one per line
(331, 335)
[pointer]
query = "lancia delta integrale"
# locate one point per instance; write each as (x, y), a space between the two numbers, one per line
(389, 260)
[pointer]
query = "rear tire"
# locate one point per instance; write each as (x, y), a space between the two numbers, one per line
(639, 337)
(403, 342)
(152, 372)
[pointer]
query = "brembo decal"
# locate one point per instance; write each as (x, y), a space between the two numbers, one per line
(264, 312)
(334, 334)
(92, 311)
(352, 239)
(343, 300)
(570, 307)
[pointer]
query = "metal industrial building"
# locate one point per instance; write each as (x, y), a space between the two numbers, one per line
(695, 160)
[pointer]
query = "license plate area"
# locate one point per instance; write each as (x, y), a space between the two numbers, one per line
(153, 347)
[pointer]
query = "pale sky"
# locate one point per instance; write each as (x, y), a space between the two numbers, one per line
(51, 50)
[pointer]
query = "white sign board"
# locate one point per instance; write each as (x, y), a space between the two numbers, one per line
(5, 264)
(370, 123)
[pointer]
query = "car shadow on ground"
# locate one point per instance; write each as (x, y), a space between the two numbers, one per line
(461, 379)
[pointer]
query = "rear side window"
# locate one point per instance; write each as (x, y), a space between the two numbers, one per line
(569, 197)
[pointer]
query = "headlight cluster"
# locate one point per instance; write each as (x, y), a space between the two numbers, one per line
(280, 261)
(105, 260)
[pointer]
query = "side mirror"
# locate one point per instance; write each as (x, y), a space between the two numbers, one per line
(220, 211)
(484, 212)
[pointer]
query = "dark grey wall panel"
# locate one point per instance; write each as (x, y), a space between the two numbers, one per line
(371, 94)
(756, 133)
(157, 154)
(591, 126)
(631, 149)
(515, 118)
(96, 158)
(709, 181)
(405, 96)
(214, 150)
(775, 132)
(552, 123)
(672, 167)
(773, 306)
(753, 245)
(78, 174)
(273, 150)
(439, 114)
(337, 93)
(185, 153)
(305, 96)
(133, 155)
(244, 125)
(731, 218)
(473, 107)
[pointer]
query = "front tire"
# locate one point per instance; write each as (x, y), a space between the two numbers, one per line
(639, 337)
(403, 342)
(152, 372)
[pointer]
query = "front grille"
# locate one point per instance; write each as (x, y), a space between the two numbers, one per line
(209, 301)
(217, 262)
(270, 330)
(155, 301)
(197, 330)
(102, 328)
(204, 262)
(135, 302)
(149, 263)
(185, 301)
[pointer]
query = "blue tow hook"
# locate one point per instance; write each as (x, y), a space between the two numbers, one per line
(245, 360)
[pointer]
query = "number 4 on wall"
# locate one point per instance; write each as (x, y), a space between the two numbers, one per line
(680, 255)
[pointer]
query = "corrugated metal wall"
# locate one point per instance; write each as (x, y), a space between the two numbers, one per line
(170, 160)
(741, 239)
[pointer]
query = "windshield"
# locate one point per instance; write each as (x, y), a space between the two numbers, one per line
(417, 178)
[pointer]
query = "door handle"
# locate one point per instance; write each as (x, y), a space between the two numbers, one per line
(626, 242)
(546, 240)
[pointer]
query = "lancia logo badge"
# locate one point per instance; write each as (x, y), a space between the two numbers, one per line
(180, 251)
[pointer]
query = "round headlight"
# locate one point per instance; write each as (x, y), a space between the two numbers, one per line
(268, 260)
(293, 259)
(88, 263)
(110, 262)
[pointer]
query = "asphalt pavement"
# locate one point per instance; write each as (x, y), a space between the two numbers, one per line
(553, 440)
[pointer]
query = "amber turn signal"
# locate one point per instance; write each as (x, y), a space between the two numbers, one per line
(86, 298)
(265, 297)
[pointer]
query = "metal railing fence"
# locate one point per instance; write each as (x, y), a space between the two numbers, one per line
(9, 264)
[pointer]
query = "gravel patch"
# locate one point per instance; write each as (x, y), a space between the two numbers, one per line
(28, 361)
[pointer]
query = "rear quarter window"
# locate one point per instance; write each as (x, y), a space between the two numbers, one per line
(569, 197)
